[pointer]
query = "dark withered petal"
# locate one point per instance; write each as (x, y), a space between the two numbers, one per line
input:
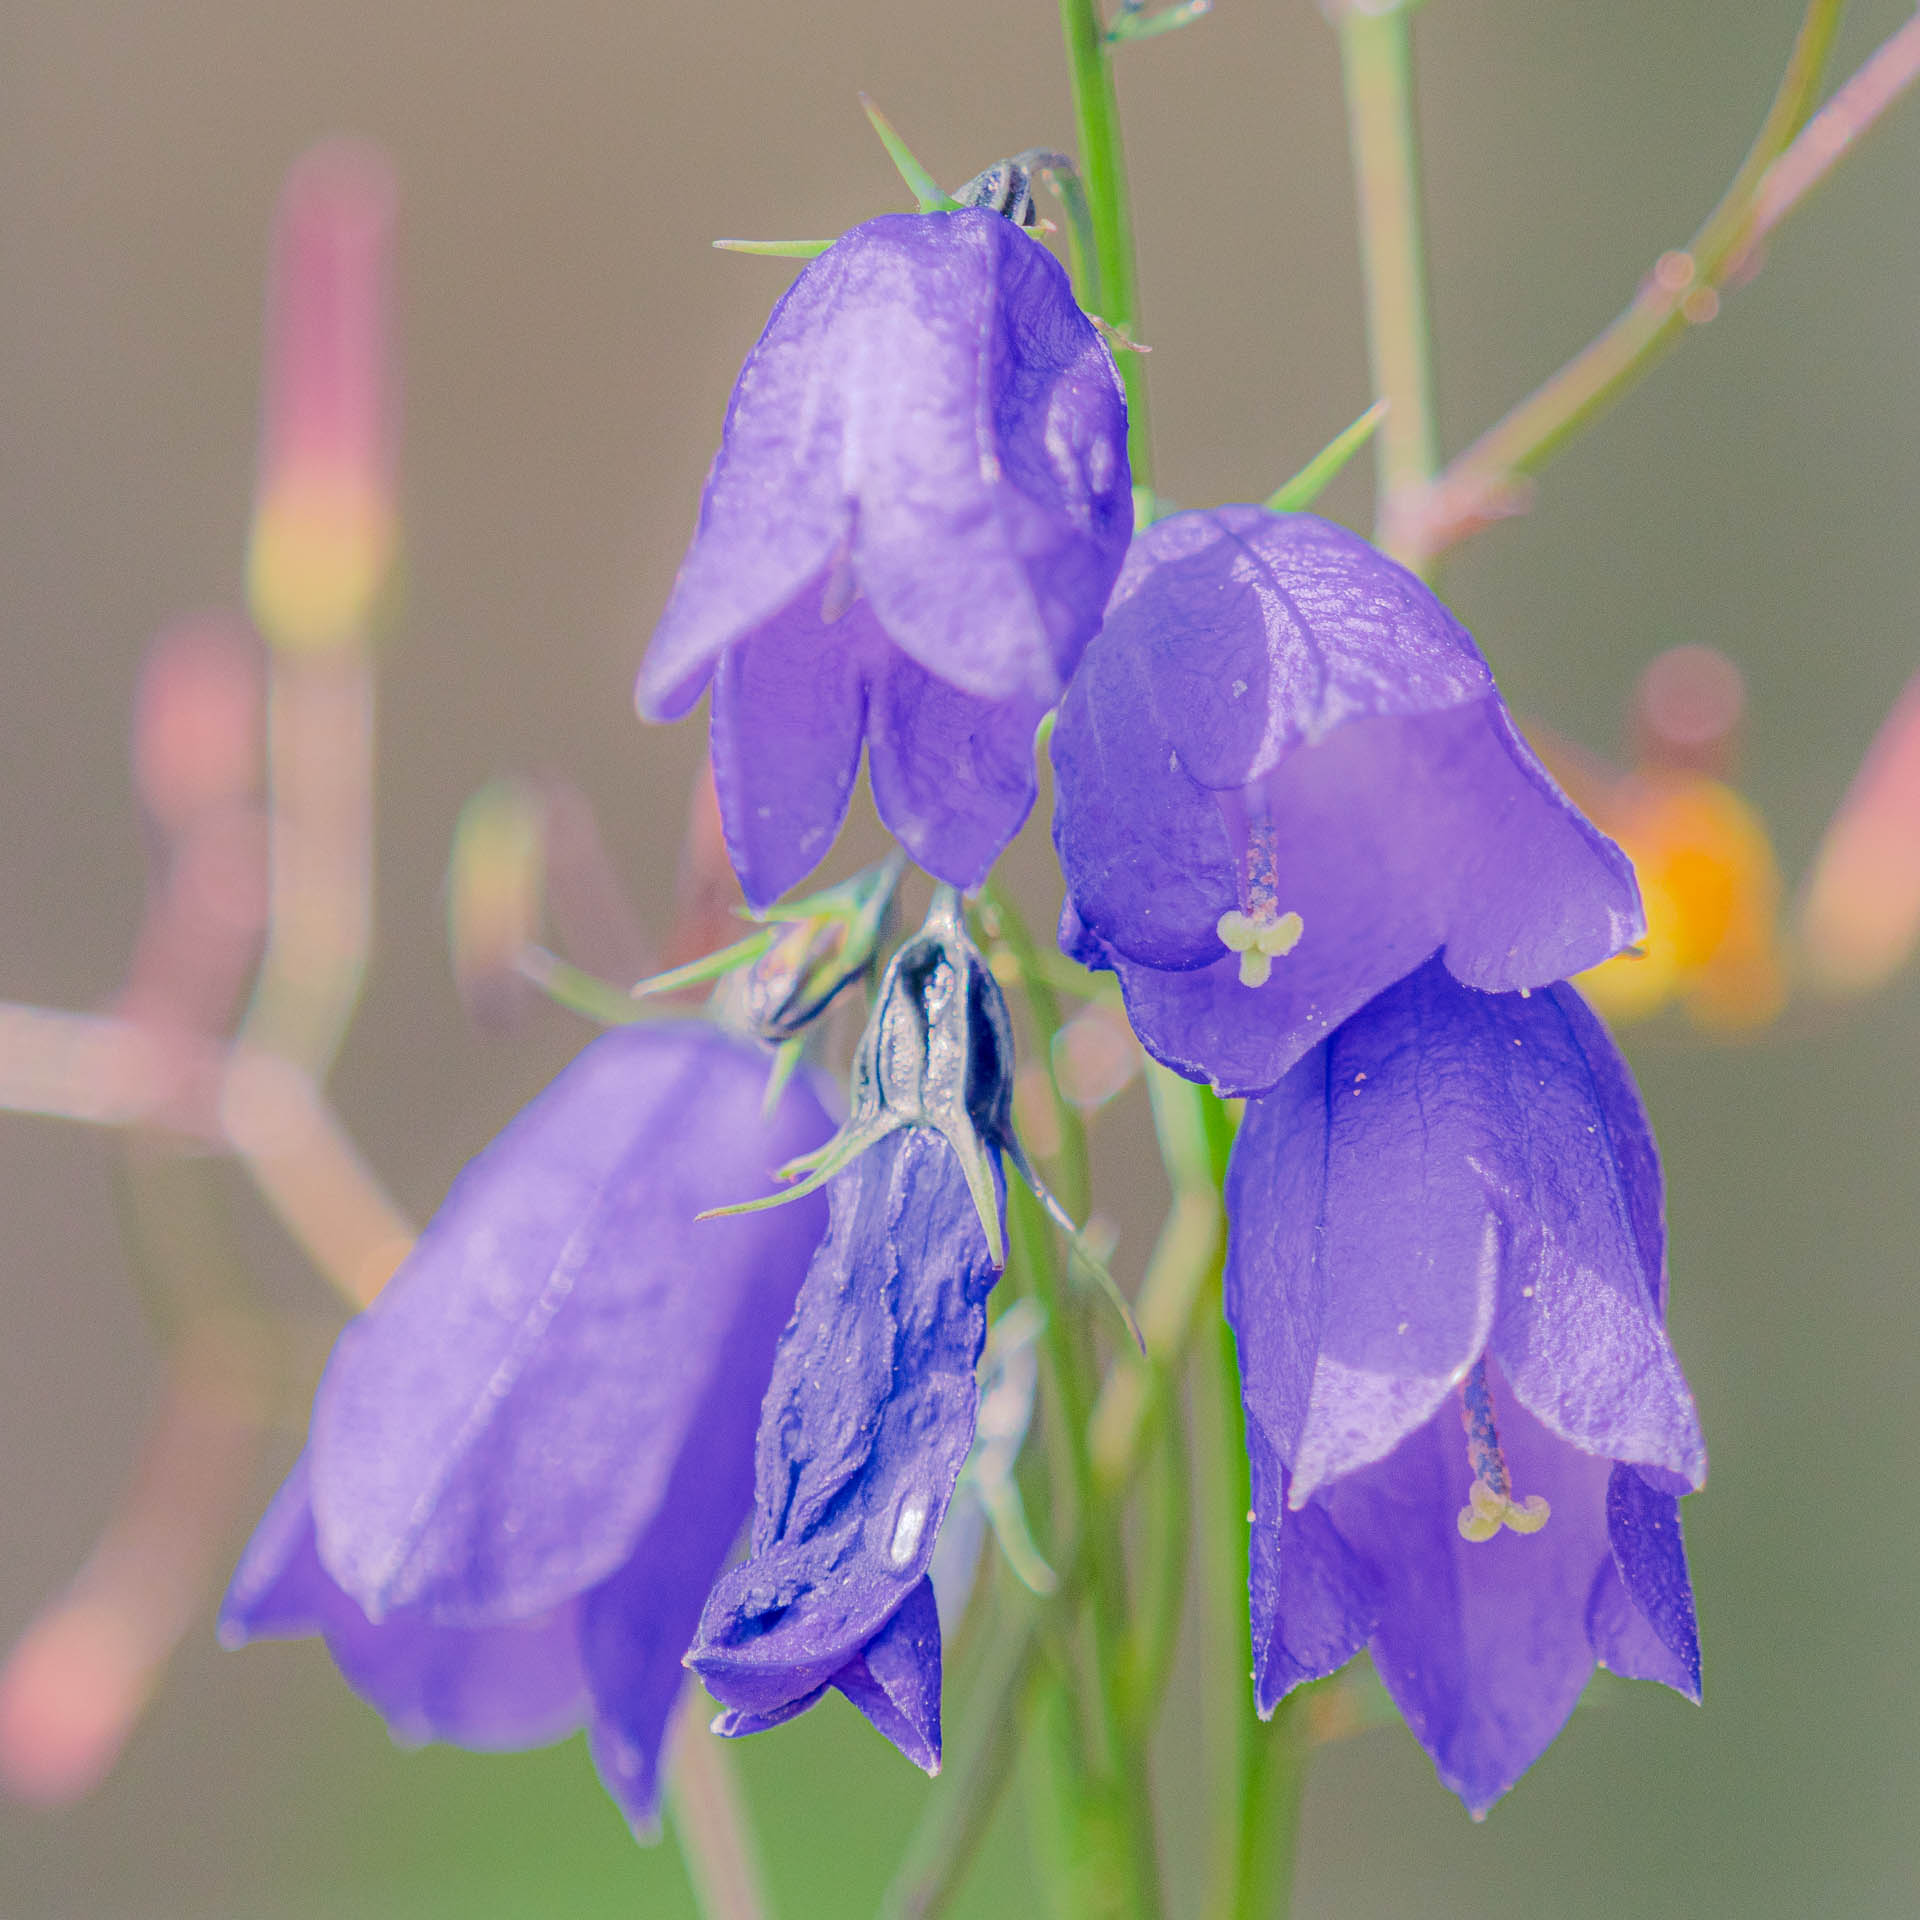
(862, 1435)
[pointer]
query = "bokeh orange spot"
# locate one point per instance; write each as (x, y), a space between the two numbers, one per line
(1711, 886)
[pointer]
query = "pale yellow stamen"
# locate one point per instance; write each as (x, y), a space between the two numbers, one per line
(1259, 940)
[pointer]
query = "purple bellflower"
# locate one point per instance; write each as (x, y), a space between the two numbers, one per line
(529, 1458)
(920, 502)
(1467, 1429)
(1285, 779)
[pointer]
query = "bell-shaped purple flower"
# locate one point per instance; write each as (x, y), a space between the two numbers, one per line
(529, 1458)
(919, 505)
(1285, 779)
(1467, 1430)
(865, 1429)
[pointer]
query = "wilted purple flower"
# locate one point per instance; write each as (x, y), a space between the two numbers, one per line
(1285, 779)
(1446, 1272)
(530, 1456)
(920, 502)
(864, 1431)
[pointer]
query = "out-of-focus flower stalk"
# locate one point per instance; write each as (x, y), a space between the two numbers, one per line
(321, 549)
(77, 1681)
(709, 1818)
(1376, 54)
(1114, 294)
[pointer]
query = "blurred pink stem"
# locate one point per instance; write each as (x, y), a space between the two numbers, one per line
(76, 1682)
(710, 1818)
(108, 1072)
(320, 813)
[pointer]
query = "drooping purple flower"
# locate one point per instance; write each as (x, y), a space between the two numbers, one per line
(864, 1431)
(919, 505)
(1467, 1429)
(1285, 779)
(529, 1458)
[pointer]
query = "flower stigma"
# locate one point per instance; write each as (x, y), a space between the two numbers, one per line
(1257, 930)
(1490, 1502)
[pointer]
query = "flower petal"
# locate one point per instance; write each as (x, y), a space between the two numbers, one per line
(493, 1689)
(1650, 1561)
(1143, 848)
(1273, 678)
(789, 709)
(1391, 1279)
(1315, 1602)
(953, 775)
(782, 443)
(635, 1627)
(987, 447)
(895, 1679)
(928, 391)
(1579, 1331)
(863, 1431)
(1483, 1645)
(1280, 631)
(493, 1436)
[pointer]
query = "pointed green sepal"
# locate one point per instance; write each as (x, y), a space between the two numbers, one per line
(1312, 480)
(1136, 23)
(578, 991)
(779, 249)
(786, 1061)
(846, 1145)
(920, 183)
(937, 1052)
(710, 966)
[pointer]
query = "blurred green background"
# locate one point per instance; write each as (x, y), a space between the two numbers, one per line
(569, 342)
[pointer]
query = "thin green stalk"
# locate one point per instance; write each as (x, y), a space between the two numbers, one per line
(1068, 1165)
(1273, 1787)
(942, 1848)
(1165, 1548)
(1259, 1812)
(1376, 56)
(1113, 294)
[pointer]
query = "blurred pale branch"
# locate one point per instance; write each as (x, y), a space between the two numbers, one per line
(1491, 479)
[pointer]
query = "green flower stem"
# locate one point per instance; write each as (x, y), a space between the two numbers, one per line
(1068, 1165)
(1273, 1786)
(980, 1759)
(1166, 1543)
(1489, 481)
(1257, 1821)
(1376, 58)
(1113, 293)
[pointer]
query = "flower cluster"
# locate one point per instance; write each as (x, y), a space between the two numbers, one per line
(1296, 821)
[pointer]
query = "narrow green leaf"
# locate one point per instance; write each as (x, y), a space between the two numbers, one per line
(781, 249)
(1311, 481)
(920, 183)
